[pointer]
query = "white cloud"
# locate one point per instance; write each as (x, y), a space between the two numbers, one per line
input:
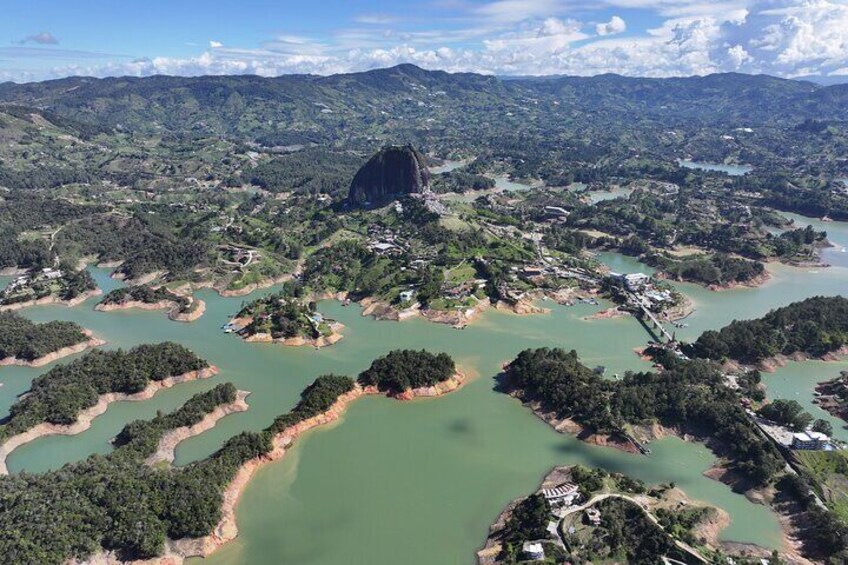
(780, 37)
(509, 11)
(43, 38)
(614, 26)
(376, 19)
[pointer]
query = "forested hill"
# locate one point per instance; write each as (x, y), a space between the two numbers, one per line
(256, 108)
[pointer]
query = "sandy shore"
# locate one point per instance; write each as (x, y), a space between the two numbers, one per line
(140, 280)
(12, 272)
(771, 364)
(170, 440)
(253, 287)
(85, 417)
(58, 354)
(791, 544)
(177, 551)
(319, 342)
(52, 299)
(198, 308)
(752, 283)
(525, 307)
(169, 305)
(608, 314)
(568, 426)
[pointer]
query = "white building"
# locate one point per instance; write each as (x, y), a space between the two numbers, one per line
(631, 281)
(810, 440)
(406, 295)
(565, 494)
(533, 550)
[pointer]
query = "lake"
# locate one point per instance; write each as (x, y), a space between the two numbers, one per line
(422, 479)
(732, 170)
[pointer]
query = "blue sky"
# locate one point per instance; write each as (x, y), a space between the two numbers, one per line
(51, 38)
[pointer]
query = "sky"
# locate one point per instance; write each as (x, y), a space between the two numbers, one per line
(45, 39)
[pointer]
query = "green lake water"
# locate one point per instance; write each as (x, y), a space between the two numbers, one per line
(424, 479)
(732, 170)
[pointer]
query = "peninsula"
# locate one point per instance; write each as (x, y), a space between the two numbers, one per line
(23, 342)
(144, 297)
(591, 515)
(196, 503)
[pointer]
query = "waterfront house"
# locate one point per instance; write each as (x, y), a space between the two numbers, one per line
(564, 494)
(533, 550)
(810, 440)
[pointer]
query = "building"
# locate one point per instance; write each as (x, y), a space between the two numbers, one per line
(383, 247)
(533, 550)
(810, 441)
(406, 295)
(594, 516)
(636, 281)
(51, 274)
(556, 213)
(564, 494)
(631, 281)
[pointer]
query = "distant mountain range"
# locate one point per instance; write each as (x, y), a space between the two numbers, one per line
(299, 108)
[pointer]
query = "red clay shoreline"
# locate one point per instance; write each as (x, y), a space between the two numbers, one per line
(177, 551)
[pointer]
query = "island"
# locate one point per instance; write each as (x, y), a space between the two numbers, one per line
(552, 191)
(145, 297)
(285, 317)
(717, 272)
(23, 342)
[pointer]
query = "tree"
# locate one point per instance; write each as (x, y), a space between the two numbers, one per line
(788, 413)
(823, 426)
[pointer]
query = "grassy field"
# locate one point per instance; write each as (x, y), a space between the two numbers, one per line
(830, 470)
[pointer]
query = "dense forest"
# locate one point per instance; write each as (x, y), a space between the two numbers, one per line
(142, 436)
(815, 326)
(61, 393)
(628, 534)
(23, 339)
(116, 502)
(312, 170)
(404, 369)
(691, 396)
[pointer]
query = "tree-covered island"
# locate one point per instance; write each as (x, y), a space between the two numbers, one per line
(815, 327)
(287, 317)
(23, 342)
